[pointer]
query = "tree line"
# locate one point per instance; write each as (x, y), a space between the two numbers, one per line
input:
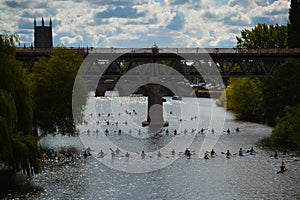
(39, 99)
(274, 100)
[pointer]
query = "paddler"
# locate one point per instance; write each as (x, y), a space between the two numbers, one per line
(187, 153)
(241, 152)
(213, 153)
(228, 154)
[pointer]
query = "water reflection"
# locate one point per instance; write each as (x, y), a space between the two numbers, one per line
(247, 177)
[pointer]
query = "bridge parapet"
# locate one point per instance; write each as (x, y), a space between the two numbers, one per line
(210, 51)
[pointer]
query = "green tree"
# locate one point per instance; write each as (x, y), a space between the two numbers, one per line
(19, 149)
(294, 25)
(245, 99)
(280, 90)
(52, 88)
(263, 36)
(225, 99)
(287, 130)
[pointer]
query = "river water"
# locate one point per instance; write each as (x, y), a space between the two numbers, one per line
(166, 177)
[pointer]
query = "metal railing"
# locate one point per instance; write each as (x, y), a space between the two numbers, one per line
(287, 51)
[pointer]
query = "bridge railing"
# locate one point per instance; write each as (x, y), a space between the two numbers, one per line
(216, 51)
(198, 50)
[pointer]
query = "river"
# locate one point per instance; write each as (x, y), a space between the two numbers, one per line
(166, 177)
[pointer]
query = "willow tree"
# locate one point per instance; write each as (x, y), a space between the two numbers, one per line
(18, 148)
(52, 88)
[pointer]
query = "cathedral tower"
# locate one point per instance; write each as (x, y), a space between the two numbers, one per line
(43, 35)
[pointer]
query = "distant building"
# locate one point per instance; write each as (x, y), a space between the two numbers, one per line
(43, 35)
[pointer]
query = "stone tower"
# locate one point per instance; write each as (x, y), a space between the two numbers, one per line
(43, 35)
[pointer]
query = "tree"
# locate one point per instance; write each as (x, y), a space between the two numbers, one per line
(281, 89)
(294, 25)
(19, 149)
(245, 99)
(263, 36)
(287, 130)
(225, 99)
(52, 91)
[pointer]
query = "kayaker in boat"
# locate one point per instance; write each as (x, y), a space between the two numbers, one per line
(85, 155)
(113, 154)
(101, 154)
(143, 155)
(206, 155)
(173, 152)
(159, 154)
(228, 154)
(202, 130)
(175, 132)
(241, 152)
(127, 155)
(251, 151)
(118, 151)
(282, 167)
(187, 153)
(213, 153)
(228, 131)
(275, 154)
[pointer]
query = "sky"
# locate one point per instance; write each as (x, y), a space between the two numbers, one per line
(140, 23)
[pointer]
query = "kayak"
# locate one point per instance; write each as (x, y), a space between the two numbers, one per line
(213, 155)
(252, 153)
(228, 156)
(281, 171)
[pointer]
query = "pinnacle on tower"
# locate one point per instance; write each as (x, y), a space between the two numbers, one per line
(43, 23)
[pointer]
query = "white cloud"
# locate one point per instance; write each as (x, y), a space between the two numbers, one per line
(136, 23)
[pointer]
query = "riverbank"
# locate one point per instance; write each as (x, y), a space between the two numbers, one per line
(276, 145)
(16, 185)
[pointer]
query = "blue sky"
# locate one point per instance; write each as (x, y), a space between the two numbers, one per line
(140, 23)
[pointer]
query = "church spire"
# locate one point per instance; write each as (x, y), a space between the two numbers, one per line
(34, 22)
(43, 23)
(50, 22)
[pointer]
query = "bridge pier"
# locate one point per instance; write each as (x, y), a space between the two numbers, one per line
(155, 119)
